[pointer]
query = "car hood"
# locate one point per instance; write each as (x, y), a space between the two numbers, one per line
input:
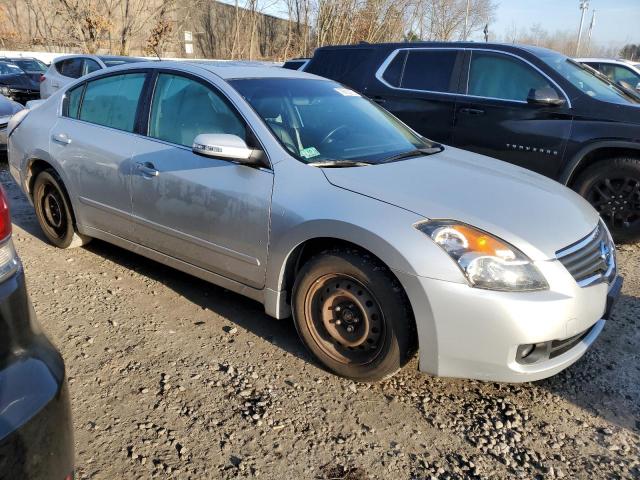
(533, 213)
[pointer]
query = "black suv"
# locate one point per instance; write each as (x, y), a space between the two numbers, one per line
(526, 105)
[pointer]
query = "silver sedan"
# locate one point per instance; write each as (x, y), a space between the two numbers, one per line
(303, 195)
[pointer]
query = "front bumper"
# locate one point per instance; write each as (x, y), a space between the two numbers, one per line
(472, 333)
(36, 434)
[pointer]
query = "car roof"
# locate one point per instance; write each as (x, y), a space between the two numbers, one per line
(229, 70)
(429, 44)
(121, 57)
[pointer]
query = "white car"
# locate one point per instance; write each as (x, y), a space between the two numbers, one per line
(622, 72)
(64, 70)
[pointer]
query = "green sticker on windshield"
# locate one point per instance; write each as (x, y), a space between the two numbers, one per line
(309, 152)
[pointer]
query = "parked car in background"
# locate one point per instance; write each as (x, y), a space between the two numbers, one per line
(31, 66)
(526, 105)
(300, 193)
(66, 69)
(8, 108)
(17, 84)
(296, 64)
(36, 434)
(622, 72)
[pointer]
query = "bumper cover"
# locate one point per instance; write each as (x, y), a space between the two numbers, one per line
(36, 434)
(472, 333)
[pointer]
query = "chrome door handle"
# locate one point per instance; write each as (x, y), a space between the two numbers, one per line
(62, 138)
(147, 169)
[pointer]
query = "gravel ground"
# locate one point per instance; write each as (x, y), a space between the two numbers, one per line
(172, 377)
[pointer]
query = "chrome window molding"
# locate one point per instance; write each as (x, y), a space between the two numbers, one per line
(393, 54)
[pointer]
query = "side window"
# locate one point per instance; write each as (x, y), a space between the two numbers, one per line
(430, 70)
(71, 67)
(71, 106)
(499, 76)
(183, 108)
(619, 73)
(113, 101)
(90, 65)
(393, 72)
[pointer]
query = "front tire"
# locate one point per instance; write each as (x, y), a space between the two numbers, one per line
(353, 315)
(54, 213)
(613, 188)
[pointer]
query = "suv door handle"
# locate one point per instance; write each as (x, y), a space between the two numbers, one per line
(379, 100)
(62, 138)
(147, 169)
(472, 111)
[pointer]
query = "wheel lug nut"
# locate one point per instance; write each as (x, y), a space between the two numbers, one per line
(349, 328)
(338, 322)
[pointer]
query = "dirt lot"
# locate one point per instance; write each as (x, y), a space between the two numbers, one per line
(172, 377)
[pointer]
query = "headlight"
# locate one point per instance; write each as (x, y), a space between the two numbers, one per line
(486, 261)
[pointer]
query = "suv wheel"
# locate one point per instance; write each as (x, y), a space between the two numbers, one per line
(613, 188)
(54, 213)
(353, 315)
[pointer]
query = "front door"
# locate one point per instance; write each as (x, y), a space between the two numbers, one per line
(208, 212)
(495, 119)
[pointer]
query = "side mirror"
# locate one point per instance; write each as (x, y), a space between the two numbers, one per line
(228, 147)
(545, 96)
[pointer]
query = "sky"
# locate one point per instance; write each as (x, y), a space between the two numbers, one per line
(617, 21)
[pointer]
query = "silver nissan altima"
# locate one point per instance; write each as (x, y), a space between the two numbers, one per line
(303, 195)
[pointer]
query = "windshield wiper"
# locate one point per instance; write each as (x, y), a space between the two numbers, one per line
(338, 163)
(418, 152)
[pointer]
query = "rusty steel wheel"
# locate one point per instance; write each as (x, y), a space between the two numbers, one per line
(353, 315)
(345, 319)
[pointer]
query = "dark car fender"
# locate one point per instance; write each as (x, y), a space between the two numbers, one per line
(575, 162)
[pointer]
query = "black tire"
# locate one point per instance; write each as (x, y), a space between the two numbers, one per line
(54, 212)
(362, 295)
(613, 188)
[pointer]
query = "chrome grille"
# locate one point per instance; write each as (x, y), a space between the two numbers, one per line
(590, 260)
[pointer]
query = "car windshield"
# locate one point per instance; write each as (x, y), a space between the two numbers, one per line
(584, 78)
(319, 120)
(31, 65)
(7, 68)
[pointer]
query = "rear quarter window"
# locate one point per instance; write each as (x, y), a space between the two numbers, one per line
(393, 73)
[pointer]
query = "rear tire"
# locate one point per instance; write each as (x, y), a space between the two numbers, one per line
(54, 213)
(353, 315)
(613, 188)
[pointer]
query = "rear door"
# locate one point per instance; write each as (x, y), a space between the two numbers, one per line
(94, 143)
(420, 87)
(494, 118)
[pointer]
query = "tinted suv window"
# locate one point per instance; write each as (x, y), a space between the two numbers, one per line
(494, 75)
(344, 65)
(113, 101)
(430, 70)
(71, 67)
(183, 108)
(393, 73)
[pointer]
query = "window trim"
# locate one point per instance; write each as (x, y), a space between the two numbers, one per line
(466, 67)
(148, 99)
